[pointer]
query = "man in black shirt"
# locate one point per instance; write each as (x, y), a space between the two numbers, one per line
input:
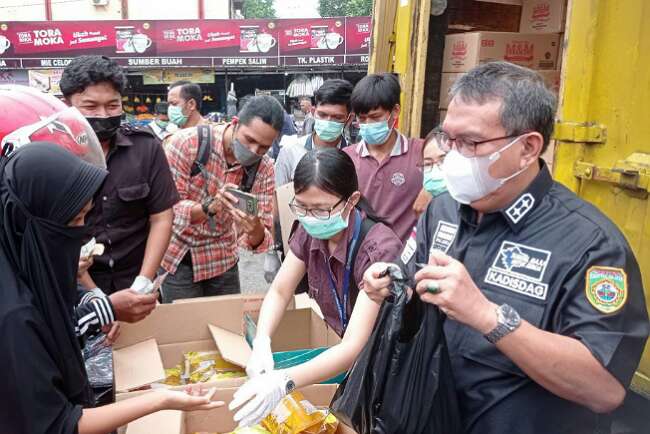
(546, 314)
(132, 214)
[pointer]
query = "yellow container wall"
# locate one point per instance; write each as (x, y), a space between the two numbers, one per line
(606, 81)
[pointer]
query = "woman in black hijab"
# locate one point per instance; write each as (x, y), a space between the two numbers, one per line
(45, 193)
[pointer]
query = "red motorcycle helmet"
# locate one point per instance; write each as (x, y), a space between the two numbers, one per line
(30, 116)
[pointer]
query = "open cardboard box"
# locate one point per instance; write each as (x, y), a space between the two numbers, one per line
(299, 329)
(252, 303)
(144, 349)
(219, 420)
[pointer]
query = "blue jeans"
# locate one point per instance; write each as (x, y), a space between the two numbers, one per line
(181, 284)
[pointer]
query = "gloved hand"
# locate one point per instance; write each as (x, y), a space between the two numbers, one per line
(271, 265)
(142, 285)
(261, 360)
(261, 395)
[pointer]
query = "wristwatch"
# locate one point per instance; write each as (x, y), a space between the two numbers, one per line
(205, 206)
(290, 385)
(508, 320)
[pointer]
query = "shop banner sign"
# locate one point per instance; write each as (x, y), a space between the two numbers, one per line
(188, 43)
(169, 76)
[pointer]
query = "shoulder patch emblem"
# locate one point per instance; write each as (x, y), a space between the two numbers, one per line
(521, 207)
(606, 288)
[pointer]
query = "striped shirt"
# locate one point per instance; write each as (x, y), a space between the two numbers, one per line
(93, 311)
(213, 252)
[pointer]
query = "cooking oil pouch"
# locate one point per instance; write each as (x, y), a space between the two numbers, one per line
(293, 415)
(328, 426)
(173, 376)
(200, 366)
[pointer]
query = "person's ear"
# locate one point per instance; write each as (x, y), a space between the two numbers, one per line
(396, 111)
(354, 199)
(191, 104)
(531, 150)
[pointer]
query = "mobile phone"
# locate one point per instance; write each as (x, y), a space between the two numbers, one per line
(246, 202)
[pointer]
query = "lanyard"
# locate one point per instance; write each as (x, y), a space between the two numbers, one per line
(342, 305)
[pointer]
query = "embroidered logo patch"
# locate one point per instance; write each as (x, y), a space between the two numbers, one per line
(606, 288)
(398, 179)
(444, 236)
(520, 269)
(410, 247)
(519, 209)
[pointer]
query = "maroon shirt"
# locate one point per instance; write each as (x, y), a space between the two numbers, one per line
(391, 186)
(380, 245)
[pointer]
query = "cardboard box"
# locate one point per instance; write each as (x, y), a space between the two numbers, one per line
(552, 80)
(446, 82)
(284, 195)
(464, 51)
(252, 303)
(144, 349)
(543, 16)
(299, 329)
(218, 420)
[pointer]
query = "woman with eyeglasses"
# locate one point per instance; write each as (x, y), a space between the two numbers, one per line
(337, 240)
(433, 181)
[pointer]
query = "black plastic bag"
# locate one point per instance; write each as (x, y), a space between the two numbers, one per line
(402, 381)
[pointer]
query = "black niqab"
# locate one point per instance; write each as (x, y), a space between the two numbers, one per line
(42, 188)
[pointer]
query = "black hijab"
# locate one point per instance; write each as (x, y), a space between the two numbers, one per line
(42, 188)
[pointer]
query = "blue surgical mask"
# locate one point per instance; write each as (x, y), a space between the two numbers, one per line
(328, 131)
(375, 133)
(324, 229)
(176, 116)
(434, 181)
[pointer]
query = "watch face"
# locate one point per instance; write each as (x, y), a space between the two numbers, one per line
(510, 316)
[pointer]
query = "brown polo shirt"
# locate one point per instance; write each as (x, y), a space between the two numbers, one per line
(380, 245)
(138, 185)
(391, 186)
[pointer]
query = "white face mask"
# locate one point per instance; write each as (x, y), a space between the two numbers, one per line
(468, 179)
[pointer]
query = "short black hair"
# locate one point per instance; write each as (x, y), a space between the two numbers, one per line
(86, 71)
(161, 108)
(376, 91)
(332, 171)
(189, 91)
(265, 107)
(243, 101)
(335, 91)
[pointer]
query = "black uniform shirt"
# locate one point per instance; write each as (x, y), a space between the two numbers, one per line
(567, 269)
(138, 185)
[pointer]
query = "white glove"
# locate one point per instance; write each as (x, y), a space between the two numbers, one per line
(142, 285)
(261, 395)
(271, 265)
(261, 360)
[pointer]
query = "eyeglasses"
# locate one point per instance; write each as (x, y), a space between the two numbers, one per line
(320, 214)
(465, 146)
(427, 165)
